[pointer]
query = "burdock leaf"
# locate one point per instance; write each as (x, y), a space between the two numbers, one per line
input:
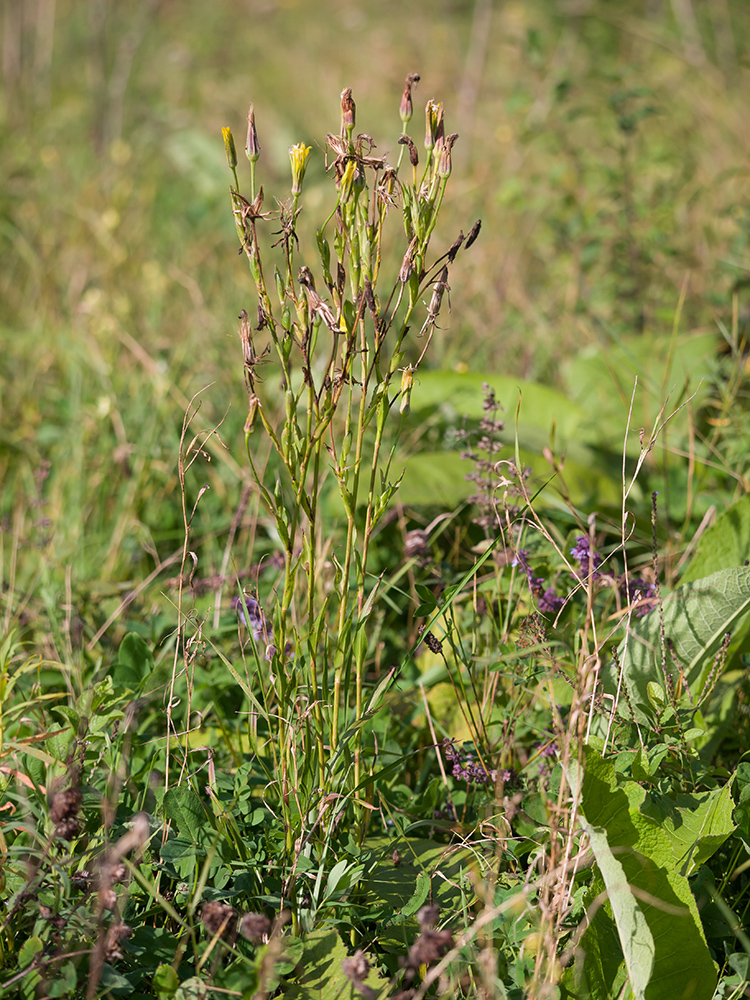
(697, 616)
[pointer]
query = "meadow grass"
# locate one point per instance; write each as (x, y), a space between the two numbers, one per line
(274, 720)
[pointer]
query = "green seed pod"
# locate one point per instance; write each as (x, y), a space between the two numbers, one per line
(279, 286)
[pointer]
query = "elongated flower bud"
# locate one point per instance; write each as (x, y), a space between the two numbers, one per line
(348, 112)
(229, 147)
(443, 149)
(407, 109)
(252, 146)
(298, 157)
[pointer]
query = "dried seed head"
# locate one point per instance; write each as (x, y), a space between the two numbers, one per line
(229, 147)
(473, 233)
(63, 812)
(252, 146)
(428, 916)
(440, 287)
(429, 947)
(407, 264)
(116, 934)
(356, 967)
(432, 642)
(415, 543)
(348, 112)
(407, 110)
(298, 156)
(254, 926)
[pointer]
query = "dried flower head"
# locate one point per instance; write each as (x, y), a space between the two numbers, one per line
(429, 947)
(415, 543)
(255, 926)
(406, 140)
(115, 935)
(219, 918)
(356, 968)
(63, 812)
(428, 916)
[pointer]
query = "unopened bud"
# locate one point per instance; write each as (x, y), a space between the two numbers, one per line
(252, 146)
(407, 382)
(444, 147)
(229, 147)
(407, 110)
(298, 158)
(348, 112)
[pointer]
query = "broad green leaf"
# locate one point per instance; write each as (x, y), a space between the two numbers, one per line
(438, 478)
(184, 808)
(696, 825)
(649, 898)
(29, 949)
(194, 988)
(135, 662)
(601, 378)
(319, 975)
(397, 884)
(636, 939)
(183, 855)
(463, 393)
(724, 544)
(166, 982)
(697, 616)
(64, 981)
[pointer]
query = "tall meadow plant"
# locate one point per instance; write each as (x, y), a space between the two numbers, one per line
(345, 338)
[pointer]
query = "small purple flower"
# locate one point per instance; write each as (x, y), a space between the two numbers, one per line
(549, 601)
(639, 592)
(252, 616)
(464, 768)
(581, 551)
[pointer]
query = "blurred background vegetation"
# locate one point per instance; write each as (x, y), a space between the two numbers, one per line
(603, 143)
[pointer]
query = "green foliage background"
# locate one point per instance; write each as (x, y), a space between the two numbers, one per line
(604, 145)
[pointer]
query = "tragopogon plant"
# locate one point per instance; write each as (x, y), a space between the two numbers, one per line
(339, 333)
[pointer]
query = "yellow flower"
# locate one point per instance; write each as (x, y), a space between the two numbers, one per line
(298, 157)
